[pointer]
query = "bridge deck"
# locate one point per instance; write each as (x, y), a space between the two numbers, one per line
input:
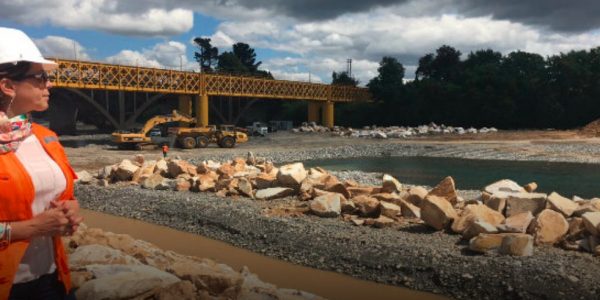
(93, 75)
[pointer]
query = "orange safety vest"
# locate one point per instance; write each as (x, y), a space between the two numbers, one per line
(165, 148)
(16, 196)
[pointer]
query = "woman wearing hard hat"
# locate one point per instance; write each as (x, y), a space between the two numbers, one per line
(37, 205)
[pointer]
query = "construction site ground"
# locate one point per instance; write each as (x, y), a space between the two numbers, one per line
(91, 152)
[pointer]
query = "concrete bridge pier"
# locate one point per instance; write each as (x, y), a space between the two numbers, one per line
(328, 114)
(202, 110)
(323, 110)
(313, 111)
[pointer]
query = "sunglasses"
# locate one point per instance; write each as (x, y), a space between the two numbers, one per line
(42, 76)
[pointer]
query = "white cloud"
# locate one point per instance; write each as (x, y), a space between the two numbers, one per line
(167, 55)
(61, 47)
(106, 15)
(367, 37)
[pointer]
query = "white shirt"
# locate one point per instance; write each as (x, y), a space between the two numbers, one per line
(49, 183)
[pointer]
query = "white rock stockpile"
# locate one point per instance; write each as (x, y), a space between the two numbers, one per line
(506, 218)
(392, 131)
(106, 265)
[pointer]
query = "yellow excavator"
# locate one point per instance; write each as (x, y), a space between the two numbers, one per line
(185, 137)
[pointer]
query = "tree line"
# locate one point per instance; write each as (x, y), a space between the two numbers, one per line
(517, 90)
(487, 88)
(240, 60)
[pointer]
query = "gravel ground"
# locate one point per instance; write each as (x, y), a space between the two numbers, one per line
(409, 255)
(92, 152)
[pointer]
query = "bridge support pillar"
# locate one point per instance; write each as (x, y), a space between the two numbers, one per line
(328, 114)
(202, 111)
(313, 111)
(185, 104)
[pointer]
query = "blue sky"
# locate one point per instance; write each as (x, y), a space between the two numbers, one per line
(295, 38)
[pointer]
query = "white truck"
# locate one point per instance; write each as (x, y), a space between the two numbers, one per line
(258, 129)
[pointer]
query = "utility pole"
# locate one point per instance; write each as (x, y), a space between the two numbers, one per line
(349, 67)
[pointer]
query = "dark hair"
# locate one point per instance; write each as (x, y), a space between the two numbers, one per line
(10, 70)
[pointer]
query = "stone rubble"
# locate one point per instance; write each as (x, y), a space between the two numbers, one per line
(390, 132)
(505, 219)
(106, 265)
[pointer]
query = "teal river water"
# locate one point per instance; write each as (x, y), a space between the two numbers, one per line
(568, 179)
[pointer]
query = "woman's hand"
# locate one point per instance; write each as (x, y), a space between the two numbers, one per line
(71, 210)
(51, 222)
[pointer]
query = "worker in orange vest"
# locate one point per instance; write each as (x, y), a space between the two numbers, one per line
(165, 150)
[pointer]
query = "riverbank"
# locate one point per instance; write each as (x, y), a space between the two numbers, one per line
(410, 255)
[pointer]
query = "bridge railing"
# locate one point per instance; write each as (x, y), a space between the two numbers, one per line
(94, 75)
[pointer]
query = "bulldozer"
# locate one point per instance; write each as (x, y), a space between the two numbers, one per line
(225, 136)
(142, 138)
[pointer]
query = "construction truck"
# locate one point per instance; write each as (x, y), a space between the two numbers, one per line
(225, 136)
(149, 134)
(185, 137)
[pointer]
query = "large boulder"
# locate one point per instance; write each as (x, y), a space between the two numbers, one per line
(517, 223)
(263, 181)
(244, 186)
(156, 181)
(517, 245)
(549, 227)
(367, 206)
(177, 167)
(389, 210)
(437, 212)
(591, 220)
(84, 177)
(504, 185)
(328, 205)
(477, 227)
(517, 203)
(409, 210)
(125, 170)
(416, 195)
(390, 184)
(99, 254)
(485, 242)
(273, 193)
(445, 189)
(362, 190)
(492, 242)
(291, 175)
(476, 212)
(206, 274)
(561, 204)
(122, 281)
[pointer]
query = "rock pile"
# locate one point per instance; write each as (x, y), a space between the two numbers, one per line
(506, 218)
(392, 131)
(105, 265)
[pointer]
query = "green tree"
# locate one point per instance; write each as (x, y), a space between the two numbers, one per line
(342, 78)
(208, 55)
(247, 56)
(230, 63)
(387, 88)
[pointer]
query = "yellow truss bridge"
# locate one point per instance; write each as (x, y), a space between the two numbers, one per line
(101, 76)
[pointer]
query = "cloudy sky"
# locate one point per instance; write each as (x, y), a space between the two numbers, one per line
(295, 38)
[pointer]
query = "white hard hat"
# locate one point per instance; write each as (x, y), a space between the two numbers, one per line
(16, 46)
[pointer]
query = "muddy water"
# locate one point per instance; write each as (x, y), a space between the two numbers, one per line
(283, 274)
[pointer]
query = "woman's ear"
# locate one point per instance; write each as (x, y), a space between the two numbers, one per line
(7, 89)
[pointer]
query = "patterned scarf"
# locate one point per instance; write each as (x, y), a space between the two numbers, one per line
(13, 131)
